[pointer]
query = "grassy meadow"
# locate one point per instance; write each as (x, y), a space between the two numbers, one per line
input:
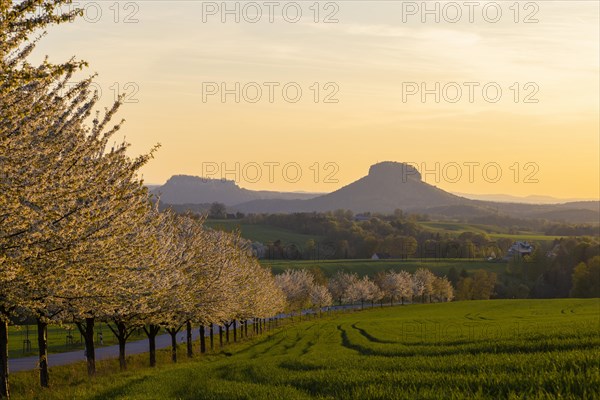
(509, 349)
(261, 233)
(269, 234)
(57, 339)
(493, 231)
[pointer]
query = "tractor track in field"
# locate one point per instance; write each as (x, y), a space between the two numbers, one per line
(370, 337)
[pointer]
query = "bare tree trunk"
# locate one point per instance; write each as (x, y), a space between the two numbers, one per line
(4, 387)
(220, 336)
(122, 334)
(190, 349)
(202, 340)
(173, 333)
(234, 331)
(152, 349)
(212, 336)
(122, 359)
(42, 328)
(151, 333)
(87, 332)
(227, 332)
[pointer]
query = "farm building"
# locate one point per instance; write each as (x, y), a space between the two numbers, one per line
(519, 249)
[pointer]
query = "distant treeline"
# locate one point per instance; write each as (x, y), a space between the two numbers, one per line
(398, 235)
(563, 268)
(551, 228)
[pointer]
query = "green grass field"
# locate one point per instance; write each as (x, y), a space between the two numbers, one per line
(499, 349)
(458, 227)
(371, 267)
(261, 233)
(526, 236)
(493, 231)
(267, 234)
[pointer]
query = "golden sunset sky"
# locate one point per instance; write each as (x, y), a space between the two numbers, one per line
(170, 51)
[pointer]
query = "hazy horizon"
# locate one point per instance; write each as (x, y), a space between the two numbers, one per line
(500, 197)
(167, 60)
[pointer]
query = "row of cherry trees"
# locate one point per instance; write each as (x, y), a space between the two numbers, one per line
(303, 292)
(80, 240)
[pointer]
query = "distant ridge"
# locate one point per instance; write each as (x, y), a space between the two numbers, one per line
(186, 189)
(388, 186)
(531, 199)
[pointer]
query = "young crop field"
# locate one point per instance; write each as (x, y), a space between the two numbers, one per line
(499, 349)
(371, 267)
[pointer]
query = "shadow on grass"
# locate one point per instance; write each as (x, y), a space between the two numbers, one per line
(370, 337)
(119, 391)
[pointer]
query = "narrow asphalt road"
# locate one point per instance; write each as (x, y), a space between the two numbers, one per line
(102, 353)
(136, 347)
